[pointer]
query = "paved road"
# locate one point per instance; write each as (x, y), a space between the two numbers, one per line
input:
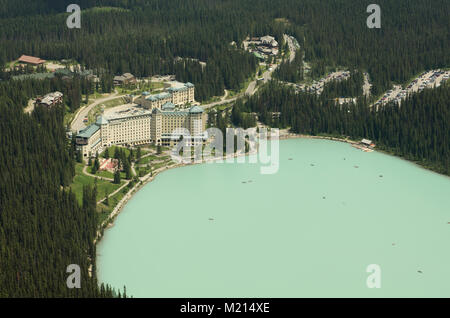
(77, 124)
(250, 91)
(291, 46)
(221, 102)
(267, 76)
(251, 88)
(30, 107)
(367, 86)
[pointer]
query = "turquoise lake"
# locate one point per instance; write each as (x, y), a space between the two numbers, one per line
(310, 230)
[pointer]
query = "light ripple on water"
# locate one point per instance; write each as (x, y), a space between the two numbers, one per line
(306, 231)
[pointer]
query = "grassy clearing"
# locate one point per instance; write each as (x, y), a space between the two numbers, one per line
(148, 159)
(112, 151)
(142, 169)
(110, 175)
(151, 87)
(80, 179)
(105, 210)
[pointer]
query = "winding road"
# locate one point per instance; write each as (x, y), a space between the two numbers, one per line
(77, 123)
(250, 91)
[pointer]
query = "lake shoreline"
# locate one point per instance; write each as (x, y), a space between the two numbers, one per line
(276, 205)
(109, 222)
(428, 168)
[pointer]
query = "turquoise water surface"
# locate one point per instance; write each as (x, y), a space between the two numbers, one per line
(309, 230)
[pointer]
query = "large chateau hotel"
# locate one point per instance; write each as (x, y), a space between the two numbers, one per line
(160, 124)
(178, 95)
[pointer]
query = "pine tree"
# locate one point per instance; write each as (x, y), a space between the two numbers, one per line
(117, 176)
(138, 154)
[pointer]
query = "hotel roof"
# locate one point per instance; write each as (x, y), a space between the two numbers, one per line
(158, 96)
(88, 131)
(101, 120)
(175, 112)
(196, 110)
(168, 106)
(181, 88)
(130, 112)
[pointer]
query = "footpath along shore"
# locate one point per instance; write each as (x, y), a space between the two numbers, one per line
(285, 134)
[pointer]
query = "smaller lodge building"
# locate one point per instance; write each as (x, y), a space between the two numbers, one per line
(124, 79)
(31, 60)
(50, 99)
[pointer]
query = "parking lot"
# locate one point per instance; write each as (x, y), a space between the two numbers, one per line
(428, 79)
(317, 86)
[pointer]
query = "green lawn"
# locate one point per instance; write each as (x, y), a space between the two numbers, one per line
(162, 164)
(151, 158)
(110, 175)
(112, 151)
(105, 210)
(151, 87)
(81, 179)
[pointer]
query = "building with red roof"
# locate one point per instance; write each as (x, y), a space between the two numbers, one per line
(31, 60)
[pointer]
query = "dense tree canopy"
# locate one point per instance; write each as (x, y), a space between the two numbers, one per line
(351, 87)
(146, 36)
(42, 227)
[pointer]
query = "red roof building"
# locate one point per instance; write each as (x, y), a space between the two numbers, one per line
(31, 60)
(108, 164)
